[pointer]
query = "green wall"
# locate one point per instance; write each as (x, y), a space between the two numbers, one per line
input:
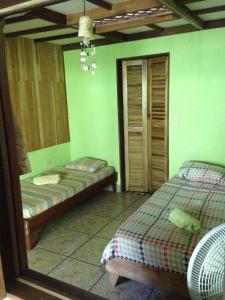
(48, 158)
(196, 98)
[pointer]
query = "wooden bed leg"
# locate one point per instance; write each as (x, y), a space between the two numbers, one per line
(30, 236)
(114, 186)
(113, 278)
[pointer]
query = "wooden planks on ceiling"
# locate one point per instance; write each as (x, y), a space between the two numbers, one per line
(117, 9)
(37, 87)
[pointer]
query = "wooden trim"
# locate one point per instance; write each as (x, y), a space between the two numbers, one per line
(168, 281)
(118, 8)
(57, 286)
(2, 282)
(121, 124)
(101, 3)
(12, 238)
(184, 13)
(145, 123)
(34, 224)
(149, 118)
(125, 119)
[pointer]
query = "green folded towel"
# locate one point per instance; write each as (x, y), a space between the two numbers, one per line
(184, 220)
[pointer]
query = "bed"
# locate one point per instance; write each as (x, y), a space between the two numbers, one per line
(43, 203)
(149, 248)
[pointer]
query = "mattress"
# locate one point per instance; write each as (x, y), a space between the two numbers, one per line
(149, 238)
(38, 198)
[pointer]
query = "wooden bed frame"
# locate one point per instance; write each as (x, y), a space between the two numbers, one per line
(33, 225)
(173, 283)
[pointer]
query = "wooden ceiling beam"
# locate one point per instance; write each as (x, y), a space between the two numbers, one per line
(56, 37)
(115, 36)
(135, 22)
(184, 13)
(34, 30)
(49, 15)
(118, 36)
(215, 24)
(17, 19)
(101, 3)
(117, 9)
(100, 42)
(189, 1)
(20, 6)
(155, 27)
(209, 10)
(7, 3)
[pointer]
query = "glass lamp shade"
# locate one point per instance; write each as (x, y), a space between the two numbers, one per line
(85, 29)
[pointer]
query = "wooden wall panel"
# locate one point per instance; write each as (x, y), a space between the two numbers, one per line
(37, 87)
(24, 102)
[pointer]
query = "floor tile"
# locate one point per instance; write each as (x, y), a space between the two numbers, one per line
(126, 214)
(91, 252)
(63, 241)
(77, 273)
(88, 223)
(43, 261)
(109, 231)
(139, 202)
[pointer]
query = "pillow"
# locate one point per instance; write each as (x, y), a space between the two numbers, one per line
(87, 164)
(203, 172)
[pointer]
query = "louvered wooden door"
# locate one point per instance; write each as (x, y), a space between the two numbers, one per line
(145, 85)
(157, 124)
(135, 124)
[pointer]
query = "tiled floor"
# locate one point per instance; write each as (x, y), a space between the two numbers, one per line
(70, 248)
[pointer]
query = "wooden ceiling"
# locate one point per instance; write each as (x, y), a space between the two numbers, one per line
(115, 21)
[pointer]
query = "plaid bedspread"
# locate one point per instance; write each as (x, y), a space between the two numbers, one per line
(38, 198)
(149, 238)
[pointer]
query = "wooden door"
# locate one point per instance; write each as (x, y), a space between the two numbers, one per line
(135, 124)
(2, 284)
(157, 124)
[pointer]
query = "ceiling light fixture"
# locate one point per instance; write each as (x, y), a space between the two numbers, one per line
(88, 52)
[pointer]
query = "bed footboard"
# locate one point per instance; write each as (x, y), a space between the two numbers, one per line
(32, 226)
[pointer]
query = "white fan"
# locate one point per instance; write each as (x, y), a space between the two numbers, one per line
(205, 276)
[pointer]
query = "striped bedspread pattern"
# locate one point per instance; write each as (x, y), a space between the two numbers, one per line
(38, 198)
(150, 239)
